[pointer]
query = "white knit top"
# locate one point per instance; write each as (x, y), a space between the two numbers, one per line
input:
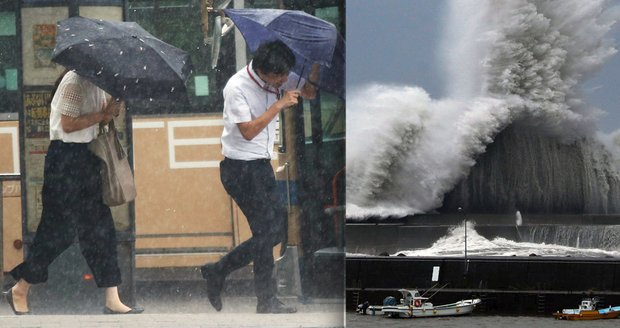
(75, 97)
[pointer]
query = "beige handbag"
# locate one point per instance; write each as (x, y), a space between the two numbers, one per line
(117, 178)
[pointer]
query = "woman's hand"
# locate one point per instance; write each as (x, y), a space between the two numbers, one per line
(114, 107)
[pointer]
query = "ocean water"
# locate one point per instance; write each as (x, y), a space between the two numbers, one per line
(452, 245)
(473, 321)
(598, 241)
(514, 67)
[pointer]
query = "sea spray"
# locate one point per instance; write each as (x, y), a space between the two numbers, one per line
(518, 62)
(410, 156)
(537, 240)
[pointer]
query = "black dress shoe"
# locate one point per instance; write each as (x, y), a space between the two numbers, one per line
(215, 283)
(9, 299)
(274, 306)
(135, 310)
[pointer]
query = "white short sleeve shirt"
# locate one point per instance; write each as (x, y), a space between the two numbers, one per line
(75, 97)
(244, 101)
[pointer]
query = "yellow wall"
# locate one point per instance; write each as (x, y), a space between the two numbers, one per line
(9, 147)
(11, 224)
(181, 205)
(11, 195)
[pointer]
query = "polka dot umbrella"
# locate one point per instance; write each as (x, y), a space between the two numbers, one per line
(123, 59)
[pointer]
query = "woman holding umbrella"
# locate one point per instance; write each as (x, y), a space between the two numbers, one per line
(72, 196)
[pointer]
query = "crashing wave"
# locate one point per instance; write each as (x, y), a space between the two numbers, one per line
(516, 65)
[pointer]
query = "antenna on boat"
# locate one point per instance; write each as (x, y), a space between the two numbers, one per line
(428, 290)
(437, 291)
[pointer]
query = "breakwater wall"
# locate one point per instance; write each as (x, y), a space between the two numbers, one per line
(507, 285)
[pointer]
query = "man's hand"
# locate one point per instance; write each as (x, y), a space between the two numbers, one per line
(290, 98)
(251, 129)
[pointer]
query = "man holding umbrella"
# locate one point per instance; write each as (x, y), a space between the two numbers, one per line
(253, 98)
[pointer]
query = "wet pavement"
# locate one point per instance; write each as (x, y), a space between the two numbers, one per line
(237, 312)
(179, 307)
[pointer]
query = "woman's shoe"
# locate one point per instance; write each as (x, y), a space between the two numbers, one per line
(9, 299)
(135, 310)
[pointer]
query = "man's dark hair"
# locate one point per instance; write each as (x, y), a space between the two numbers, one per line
(273, 57)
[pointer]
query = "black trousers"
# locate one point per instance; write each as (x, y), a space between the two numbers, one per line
(253, 187)
(72, 206)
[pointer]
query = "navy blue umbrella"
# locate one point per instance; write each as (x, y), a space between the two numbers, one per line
(123, 59)
(312, 39)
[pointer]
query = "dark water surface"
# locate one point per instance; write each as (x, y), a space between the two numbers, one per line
(474, 321)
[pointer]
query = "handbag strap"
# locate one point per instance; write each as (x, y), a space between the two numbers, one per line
(120, 152)
(110, 125)
(101, 128)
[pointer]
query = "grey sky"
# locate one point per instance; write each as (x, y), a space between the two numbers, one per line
(395, 42)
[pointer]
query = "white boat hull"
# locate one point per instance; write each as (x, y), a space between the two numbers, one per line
(373, 310)
(463, 307)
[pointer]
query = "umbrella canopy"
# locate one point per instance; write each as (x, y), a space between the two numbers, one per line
(311, 39)
(123, 59)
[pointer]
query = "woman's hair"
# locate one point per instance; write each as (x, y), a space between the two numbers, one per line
(57, 83)
(273, 57)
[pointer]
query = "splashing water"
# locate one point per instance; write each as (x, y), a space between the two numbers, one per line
(517, 63)
(453, 245)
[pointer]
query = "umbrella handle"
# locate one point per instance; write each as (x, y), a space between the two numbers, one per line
(301, 74)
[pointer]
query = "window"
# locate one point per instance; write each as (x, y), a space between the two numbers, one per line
(9, 58)
(178, 22)
(327, 118)
(332, 116)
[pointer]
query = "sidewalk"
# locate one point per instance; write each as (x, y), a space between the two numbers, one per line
(237, 312)
(175, 305)
(226, 320)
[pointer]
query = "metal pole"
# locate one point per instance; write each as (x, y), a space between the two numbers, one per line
(460, 209)
(465, 226)
(240, 52)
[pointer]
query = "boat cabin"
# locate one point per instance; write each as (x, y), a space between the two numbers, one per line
(412, 298)
(588, 304)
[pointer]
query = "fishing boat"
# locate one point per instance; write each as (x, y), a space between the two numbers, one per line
(413, 305)
(587, 311)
